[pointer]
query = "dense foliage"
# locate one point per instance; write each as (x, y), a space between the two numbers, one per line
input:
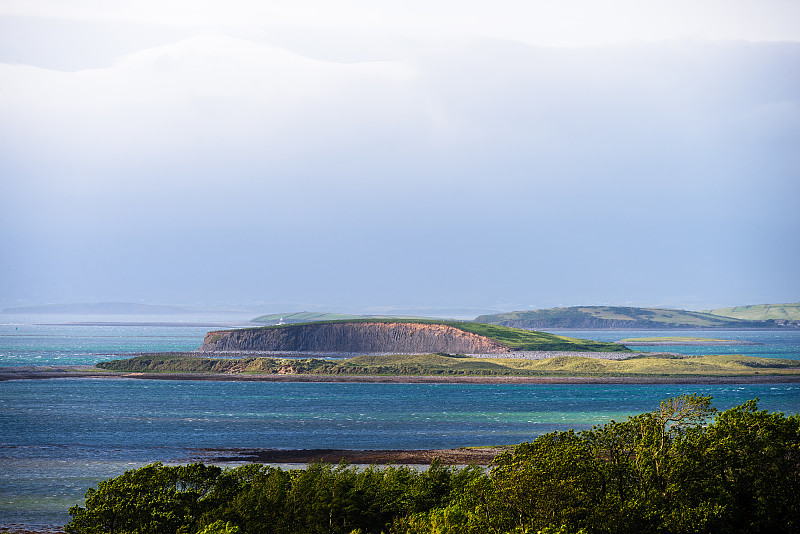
(667, 471)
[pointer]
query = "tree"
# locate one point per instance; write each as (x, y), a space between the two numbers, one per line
(666, 471)
(154, 499)
(742, 472)
(552, 481)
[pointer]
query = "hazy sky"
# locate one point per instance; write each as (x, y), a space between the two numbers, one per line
(368, 156)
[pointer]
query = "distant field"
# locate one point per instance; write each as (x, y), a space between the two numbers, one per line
(444, 364)
(614, 317)
(762, 312)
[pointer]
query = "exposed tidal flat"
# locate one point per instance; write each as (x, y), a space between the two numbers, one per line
(58, 437)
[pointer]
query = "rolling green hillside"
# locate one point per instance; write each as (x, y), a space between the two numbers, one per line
(615, 317)
(526, 340)
(762, 312)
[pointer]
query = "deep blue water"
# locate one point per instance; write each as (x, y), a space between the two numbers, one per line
(58, 437)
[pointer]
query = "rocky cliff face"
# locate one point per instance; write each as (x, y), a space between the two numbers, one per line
(374, 337)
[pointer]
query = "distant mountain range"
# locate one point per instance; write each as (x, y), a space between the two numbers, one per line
(619, 317)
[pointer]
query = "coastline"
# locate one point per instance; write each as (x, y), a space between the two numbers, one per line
(461, 456)
(83, 371)
(31, 529)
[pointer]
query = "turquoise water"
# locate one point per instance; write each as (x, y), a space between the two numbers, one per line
(770, 343)
(24, 342)
(58, 437)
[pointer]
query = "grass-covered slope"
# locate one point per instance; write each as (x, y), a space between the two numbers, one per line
(189, 363)
(644, 365)
(615, 317)
(762, 312)
(526, 340)
(456, 365)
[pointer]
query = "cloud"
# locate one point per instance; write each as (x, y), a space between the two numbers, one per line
(569, 22)
(210, 89)
(214, 111)
(471, 170)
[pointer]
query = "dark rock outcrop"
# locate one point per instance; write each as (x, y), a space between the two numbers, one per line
(361, 337)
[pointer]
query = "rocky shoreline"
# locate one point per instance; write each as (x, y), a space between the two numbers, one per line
(31, 529)
(461, 456)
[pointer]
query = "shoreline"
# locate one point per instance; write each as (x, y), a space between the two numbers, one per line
(460, 456)
(84, 371)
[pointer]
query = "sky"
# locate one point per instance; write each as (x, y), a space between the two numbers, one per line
(368, 157)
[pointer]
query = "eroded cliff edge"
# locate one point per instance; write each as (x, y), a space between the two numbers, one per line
(362, 337)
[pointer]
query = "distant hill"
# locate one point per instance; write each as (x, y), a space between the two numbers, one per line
(762, 312)
(616, 317)
(313, 317)
(98, 308)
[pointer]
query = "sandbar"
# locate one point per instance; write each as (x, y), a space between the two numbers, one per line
(85, 371)
(461, 456)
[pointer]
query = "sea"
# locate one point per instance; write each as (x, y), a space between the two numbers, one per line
(58, 437)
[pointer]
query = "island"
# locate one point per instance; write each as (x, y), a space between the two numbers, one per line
(429, 351)
(413, 350)
(398, 336)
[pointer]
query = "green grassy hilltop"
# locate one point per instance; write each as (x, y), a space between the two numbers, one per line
(762, 312)
(617, 317)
